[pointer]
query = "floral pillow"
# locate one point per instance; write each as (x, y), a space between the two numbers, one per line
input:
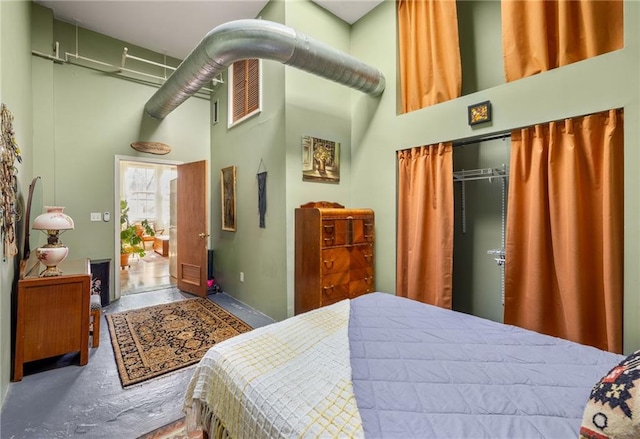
(613, 409)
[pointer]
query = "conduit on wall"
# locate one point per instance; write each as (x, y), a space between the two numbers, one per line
(246, 39)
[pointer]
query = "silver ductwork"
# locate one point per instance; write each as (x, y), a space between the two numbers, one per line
(246, 39)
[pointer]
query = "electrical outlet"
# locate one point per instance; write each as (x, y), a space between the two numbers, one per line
(242, 276)
(96, 216)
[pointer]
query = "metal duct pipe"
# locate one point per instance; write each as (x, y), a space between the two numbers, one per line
(246, 39)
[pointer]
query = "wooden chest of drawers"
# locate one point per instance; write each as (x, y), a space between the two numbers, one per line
(53, 315)
(334, 255)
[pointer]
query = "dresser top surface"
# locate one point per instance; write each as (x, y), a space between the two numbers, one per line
(69, 267)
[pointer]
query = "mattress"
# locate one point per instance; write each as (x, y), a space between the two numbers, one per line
(423, 371)
(382, 366)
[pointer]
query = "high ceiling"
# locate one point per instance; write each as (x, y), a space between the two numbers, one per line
(175, 27)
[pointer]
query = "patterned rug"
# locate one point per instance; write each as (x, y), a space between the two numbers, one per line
(152, 341)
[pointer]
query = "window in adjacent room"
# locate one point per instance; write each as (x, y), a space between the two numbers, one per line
(245, 90)
(146, 187)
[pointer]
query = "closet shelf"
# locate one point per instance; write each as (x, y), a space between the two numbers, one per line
(480, 174)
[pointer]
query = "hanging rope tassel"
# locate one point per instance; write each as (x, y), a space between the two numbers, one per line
(262, 197)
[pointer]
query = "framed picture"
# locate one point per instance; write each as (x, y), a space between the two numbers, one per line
(320, 160)
(479, 113)
(228, 192)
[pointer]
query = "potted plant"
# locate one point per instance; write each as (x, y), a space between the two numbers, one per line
(130, 235)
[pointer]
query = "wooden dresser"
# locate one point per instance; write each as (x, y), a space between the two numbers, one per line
(53, 315)
(334, 254)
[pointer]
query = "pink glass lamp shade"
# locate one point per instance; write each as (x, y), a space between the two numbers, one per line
(52, 222)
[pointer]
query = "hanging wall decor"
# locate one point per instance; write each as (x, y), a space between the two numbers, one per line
(262, 193)
(152, 147)
(228, 196)
(9, 153)
(320, 160)
(479, 113)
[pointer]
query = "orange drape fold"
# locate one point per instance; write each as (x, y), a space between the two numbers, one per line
(540, 35)
(430, 66)
(564, 243)
(424, 263)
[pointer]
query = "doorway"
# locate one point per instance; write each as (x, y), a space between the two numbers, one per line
(145, 184)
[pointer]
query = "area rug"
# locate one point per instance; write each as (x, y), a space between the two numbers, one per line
(152, 341)
(174, 430)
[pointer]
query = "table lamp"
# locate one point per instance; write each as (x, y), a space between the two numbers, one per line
(53, 222)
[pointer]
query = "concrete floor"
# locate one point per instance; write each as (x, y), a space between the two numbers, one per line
(60, 399)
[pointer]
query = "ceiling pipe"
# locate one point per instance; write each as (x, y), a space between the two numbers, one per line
(247, 39)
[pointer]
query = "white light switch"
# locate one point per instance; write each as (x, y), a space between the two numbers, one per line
(242, 276)
(106, 217)
(96, 216)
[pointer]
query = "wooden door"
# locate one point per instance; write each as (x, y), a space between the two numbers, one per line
(192, 227)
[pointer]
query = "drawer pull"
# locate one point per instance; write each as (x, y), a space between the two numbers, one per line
(369, 256)
(328, 288)
(326, 263)
(368, 279)
(328, 226)
(328, 239)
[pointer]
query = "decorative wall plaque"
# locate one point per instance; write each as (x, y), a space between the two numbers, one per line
(152, 147)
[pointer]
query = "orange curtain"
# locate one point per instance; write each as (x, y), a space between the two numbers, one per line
(424, 263)
(430, 68)
(564, 243)
(539, 35)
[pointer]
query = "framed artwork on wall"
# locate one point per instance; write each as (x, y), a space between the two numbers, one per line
(320, 160)
(479, 113)
(228, 192)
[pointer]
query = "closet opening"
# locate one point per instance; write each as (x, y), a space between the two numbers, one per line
(481, 178)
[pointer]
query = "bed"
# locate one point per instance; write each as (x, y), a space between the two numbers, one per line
(381, 366)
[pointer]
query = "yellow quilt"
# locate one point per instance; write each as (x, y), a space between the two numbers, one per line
(288, 379)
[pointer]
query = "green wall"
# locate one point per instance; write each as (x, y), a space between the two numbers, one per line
(319, 108)
(85, 115)
(480, 30)
(258, 253)
(598, 84)
(15, 93)
(295, 103)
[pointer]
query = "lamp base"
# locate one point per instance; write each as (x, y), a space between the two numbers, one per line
(51, 271)
(51, 257)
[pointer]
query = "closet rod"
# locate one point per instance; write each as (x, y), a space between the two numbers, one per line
(481, 139)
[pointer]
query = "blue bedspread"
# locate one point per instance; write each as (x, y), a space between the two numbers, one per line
(424, 372)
